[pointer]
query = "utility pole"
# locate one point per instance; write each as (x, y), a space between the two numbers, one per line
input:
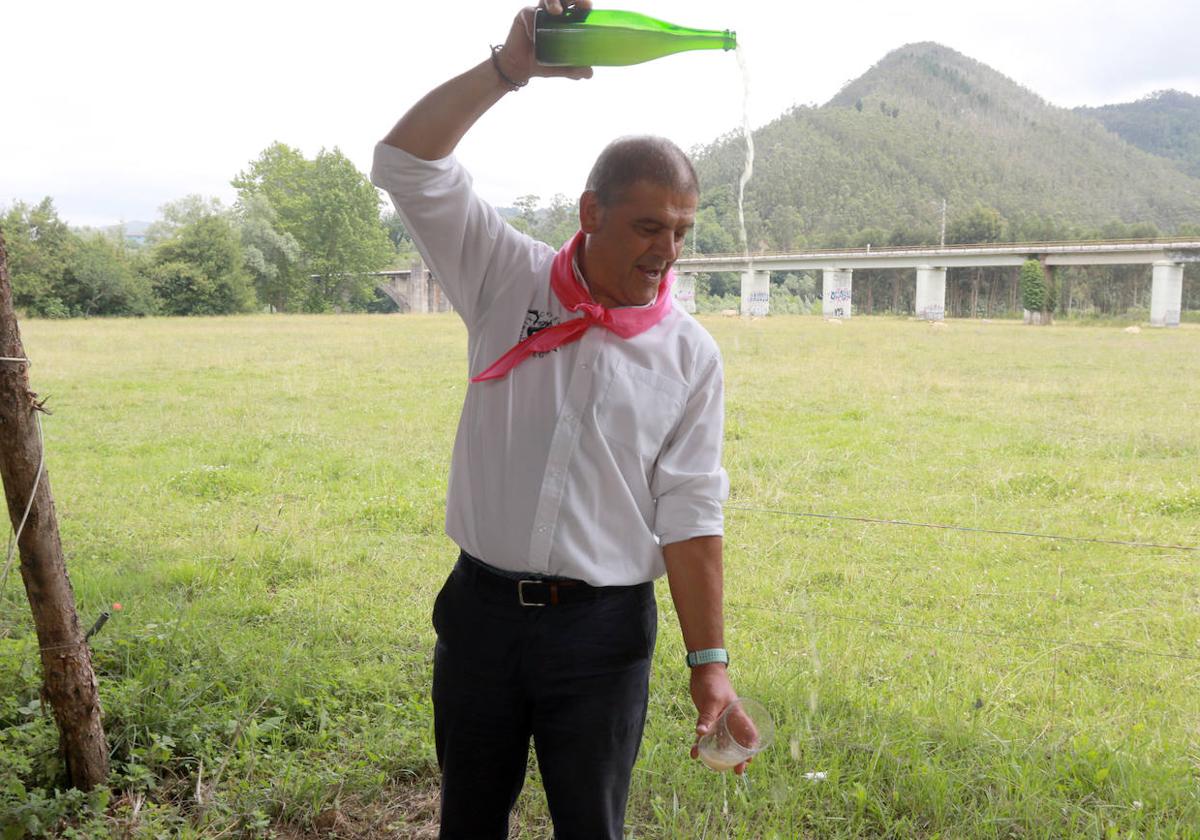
(943, 223)
(69, 683)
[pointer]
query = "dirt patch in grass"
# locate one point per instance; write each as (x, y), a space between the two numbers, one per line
(408, 812)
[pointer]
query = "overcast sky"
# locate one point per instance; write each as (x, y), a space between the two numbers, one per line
(115, 108)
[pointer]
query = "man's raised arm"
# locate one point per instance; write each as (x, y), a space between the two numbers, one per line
(432, 128)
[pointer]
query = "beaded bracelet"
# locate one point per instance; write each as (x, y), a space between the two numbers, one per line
(496, 63)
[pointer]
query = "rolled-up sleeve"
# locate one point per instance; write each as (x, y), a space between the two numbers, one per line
(472, 251)
(689, 484)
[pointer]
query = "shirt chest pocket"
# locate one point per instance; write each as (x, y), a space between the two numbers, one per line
(637, 408)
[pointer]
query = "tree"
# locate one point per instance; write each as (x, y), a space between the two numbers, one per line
(527, 206)
(101, 280)
(786, 228)
(402, 240)
(982, 224)
(40, 246)
(201, 270)
(712, 237)
(179, 214)
(1033, 287)
(272, 256)
(69, 683)
(332, 212)
(560, 221)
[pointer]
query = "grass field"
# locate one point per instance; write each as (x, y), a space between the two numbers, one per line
(264, 497)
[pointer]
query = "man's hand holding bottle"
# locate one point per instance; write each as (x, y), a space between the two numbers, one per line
(517, 60)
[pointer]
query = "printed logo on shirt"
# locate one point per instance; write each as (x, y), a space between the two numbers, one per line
(535, 322)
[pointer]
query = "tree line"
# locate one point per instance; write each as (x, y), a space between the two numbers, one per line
(303, 235)
(306, 235)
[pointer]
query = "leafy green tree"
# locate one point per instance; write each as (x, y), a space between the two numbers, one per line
(527, 207)
(39, 249)
(562, 220)
(333, 213)
(281, 174)
(786, 228)
(201, 270)
(178, 214)
(982, 224)
(101, 279)
(402, 240)
(273, 256)
(713, 237)
(1033, 286)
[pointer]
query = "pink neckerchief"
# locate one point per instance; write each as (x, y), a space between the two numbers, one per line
(625, 322)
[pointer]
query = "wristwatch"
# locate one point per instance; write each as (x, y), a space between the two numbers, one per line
(704, 657)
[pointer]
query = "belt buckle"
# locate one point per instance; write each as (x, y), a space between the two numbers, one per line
(521, 592)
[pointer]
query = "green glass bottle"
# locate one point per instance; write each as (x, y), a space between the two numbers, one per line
(606, 37)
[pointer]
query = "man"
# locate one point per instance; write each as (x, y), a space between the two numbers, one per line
(586, 463)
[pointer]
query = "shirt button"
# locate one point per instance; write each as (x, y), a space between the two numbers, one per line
(541, 529)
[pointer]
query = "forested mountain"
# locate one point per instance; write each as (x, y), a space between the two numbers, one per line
(1166, 123)
(927, 124)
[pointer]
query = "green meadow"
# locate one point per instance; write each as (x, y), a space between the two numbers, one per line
(264, 498)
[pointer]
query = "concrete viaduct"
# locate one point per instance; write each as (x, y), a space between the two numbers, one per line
(1167, 257)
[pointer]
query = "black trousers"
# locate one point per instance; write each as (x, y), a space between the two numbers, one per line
(573, 677)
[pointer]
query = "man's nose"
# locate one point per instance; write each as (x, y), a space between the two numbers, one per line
(666, 245)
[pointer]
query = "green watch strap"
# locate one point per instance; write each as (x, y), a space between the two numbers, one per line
(704, 657)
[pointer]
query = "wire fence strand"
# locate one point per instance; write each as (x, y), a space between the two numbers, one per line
(971, 530)
(1043, 641)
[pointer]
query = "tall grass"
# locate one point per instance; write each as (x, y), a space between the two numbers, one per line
(264, 498)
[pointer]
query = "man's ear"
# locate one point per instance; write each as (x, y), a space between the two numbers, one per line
(591, 214)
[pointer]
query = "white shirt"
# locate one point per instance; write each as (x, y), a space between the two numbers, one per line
(581, 462)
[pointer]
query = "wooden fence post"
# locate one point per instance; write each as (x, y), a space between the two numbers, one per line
(69, 683)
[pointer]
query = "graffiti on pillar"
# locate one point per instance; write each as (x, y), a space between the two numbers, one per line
(839, 294)
(758, 304)
(934, 312)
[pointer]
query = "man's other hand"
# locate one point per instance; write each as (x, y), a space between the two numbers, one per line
(711, 692)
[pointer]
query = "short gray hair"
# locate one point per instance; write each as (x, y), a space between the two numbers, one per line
(627, 160)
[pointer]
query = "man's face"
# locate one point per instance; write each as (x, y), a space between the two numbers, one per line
(631, 245)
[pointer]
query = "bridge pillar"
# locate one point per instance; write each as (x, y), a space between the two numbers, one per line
(418, 288)
(1166, 294)
(756, 293)
(931, 293)
(836, 284)
(684, 291)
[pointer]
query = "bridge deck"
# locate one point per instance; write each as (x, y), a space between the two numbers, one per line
(1107, 252)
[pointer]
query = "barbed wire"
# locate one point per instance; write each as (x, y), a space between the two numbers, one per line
(1105, 647)
(15, 536)
(1102, 647)
(968, 529)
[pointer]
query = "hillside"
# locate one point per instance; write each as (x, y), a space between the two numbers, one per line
(926, 124)
(1166, 123)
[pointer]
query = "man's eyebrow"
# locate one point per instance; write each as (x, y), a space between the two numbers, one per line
(650, 220)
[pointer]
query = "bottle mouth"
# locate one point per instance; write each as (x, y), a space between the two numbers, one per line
(730, 40)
